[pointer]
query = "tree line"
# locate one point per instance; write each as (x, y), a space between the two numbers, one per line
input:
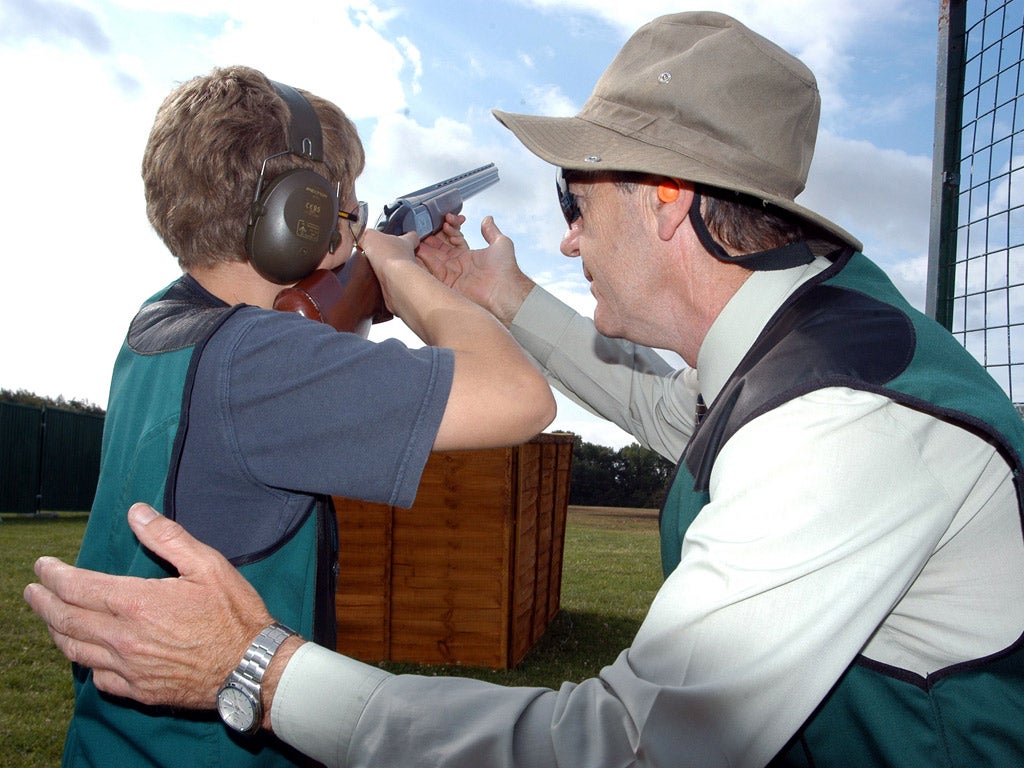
(628, 477)
(601, 476)
(24, 397)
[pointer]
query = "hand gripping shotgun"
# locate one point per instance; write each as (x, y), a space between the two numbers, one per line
(349, 297)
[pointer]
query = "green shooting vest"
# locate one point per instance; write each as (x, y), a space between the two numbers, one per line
(142, 440)
(850, 327)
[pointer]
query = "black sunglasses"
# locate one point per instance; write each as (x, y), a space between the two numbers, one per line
(566, 199)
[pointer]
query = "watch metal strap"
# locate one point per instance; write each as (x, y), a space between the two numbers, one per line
(259, 653)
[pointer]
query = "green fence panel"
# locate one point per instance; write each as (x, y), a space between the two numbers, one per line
(70, 459)
(20, 427)
(49, 458)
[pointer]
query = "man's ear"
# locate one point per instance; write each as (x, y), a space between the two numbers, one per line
(672, 205)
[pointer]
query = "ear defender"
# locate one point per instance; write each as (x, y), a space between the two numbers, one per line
(668, 191)
(293, 221)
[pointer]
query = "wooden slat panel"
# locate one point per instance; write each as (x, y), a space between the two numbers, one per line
(364, 578)
(560, 507)
(470, 574)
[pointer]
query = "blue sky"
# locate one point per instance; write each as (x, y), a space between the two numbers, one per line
(84, 80)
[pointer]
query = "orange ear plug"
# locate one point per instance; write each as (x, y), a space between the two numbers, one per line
(668, 192)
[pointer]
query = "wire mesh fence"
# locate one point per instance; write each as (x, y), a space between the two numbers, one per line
(976, 277)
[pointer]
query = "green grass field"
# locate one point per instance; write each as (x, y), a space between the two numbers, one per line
(610, 575)
(35, 680)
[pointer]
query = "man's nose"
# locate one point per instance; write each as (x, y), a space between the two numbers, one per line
(570, 241)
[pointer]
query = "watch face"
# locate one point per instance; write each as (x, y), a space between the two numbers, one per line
(237, 708)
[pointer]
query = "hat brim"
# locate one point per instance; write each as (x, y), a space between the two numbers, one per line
(577, 144)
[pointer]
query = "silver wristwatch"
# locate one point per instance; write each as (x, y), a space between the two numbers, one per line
(239, 702)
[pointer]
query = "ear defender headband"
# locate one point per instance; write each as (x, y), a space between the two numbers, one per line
(783, 257)
(293, 220)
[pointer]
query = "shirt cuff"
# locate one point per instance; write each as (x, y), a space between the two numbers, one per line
(319, 701)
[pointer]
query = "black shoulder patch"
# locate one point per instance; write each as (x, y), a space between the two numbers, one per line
(182, 317)
(826, 337)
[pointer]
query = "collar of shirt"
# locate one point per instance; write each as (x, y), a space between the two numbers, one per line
(741, 321)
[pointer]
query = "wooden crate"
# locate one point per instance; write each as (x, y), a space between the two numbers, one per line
(472, 573)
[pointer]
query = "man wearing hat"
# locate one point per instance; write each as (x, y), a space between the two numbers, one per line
(842, 541)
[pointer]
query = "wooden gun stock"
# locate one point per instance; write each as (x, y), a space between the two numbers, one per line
(348, 298)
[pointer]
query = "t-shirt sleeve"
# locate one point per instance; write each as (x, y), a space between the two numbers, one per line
(318, 411)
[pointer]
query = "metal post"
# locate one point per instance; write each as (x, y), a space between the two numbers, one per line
(942, 241)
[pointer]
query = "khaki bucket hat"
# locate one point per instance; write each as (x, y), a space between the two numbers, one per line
(700, 97)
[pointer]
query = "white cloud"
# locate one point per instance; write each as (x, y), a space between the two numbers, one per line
(548, 99)
(79, 256)
(884, 194)
(412, 55)
(882, 197)
(362, 91)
